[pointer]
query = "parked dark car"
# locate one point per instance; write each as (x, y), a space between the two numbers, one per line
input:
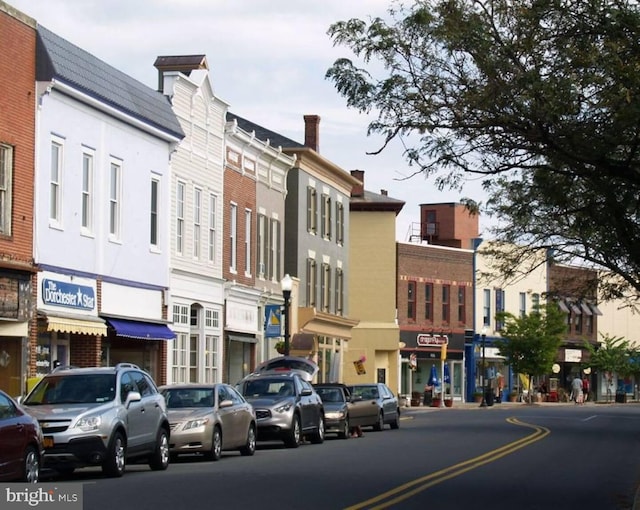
(209, 419)
(20, 443)
(379, 397)
(287, 407)
(343, 411)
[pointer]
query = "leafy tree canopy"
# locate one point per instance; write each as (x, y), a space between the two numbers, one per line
(541, 97)
(530, 342)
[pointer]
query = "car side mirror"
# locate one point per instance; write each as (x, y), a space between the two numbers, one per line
(225, 403)
(306, 392)
(132, 396)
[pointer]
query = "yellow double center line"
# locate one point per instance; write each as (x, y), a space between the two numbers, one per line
(412, 488)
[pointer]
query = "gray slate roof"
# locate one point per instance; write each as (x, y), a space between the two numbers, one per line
(58, 58)
(264, 134)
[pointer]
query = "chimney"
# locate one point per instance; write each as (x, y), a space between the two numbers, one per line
(312, 132)
(358, 189)
(182, 63)
(384, 192)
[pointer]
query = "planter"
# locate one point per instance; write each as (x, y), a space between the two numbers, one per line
(435, 402)
(513, 397)
(448, 402)
(477, 397)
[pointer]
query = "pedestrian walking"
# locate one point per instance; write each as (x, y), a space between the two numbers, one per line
(576, 390)
(585, 388)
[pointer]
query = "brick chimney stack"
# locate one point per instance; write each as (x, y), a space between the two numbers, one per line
(358, 189)
(312, 132)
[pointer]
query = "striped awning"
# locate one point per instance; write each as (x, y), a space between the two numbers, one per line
(96, 327)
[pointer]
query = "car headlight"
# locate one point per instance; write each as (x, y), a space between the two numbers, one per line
(335, 415)
(283, 408)
(194, 424)
(89, 423)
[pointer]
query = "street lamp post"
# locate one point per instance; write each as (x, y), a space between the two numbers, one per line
(286, 284)
(483, 335)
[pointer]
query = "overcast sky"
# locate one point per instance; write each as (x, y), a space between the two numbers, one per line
(267, 59)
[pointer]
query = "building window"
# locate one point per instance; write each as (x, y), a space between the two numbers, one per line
(180, 314)
(179, 358)
(411, 300)
(499, 307)
(155, 184)
(312, 210)
(194, 341)
(197, 220)
(180, 188)
(55, 182)
(248, 216)
(213, 203)
(211, 358)
(461, 305)
(339, 291)
(274, 250)
(263, 247)
(486, 307)
(211, 318)
(326, 216)
(339, 223)
(326, 287)
(115, 193)
(446, 304)
(311, 282)
(428, 301)
(522, 304)
(87, 191)
(233, 238)
(6, 184)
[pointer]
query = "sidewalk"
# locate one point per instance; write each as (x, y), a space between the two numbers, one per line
(511, 405)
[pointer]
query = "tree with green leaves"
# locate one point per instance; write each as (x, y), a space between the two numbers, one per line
(540, 98)
(613, 356)
(530, 342)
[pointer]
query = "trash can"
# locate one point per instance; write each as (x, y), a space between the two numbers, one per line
(488, 397)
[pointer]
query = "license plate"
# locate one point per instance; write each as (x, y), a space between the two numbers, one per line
(48, 442)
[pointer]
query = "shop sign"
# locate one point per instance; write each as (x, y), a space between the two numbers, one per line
(432, 340)
(68, 295)
(573, 355)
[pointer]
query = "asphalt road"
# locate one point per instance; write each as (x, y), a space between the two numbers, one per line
(505, 457)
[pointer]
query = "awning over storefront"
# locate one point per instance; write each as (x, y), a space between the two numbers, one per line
(141, 330)
(236, 337)
(311, 320)
(83, 325)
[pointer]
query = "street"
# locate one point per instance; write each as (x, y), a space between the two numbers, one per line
(504, 457)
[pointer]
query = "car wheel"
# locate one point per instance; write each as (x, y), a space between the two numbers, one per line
(344, 432)
(250, 447)
(30, 466)
(318, 435)
(380, 423)
(395, 424)
(159, 459)
(216, 445)
(114, 464)
(294, 436)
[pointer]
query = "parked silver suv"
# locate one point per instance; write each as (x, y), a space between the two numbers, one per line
(104, 416)
(287, 407)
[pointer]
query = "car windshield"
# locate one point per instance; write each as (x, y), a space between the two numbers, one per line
(330, 394)
(74, 389)
(271, 388)
(178, 398)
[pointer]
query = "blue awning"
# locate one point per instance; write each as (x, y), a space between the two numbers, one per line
(141, 330)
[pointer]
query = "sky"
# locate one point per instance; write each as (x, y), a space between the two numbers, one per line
(267, 59)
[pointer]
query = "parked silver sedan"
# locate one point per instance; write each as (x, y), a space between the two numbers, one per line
(209, 419)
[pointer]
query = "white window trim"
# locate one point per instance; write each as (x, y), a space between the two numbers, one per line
(55, 218)
(115, 226)
(87, 193)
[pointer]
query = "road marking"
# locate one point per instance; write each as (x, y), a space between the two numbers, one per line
(409, 489)
(590, 417)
